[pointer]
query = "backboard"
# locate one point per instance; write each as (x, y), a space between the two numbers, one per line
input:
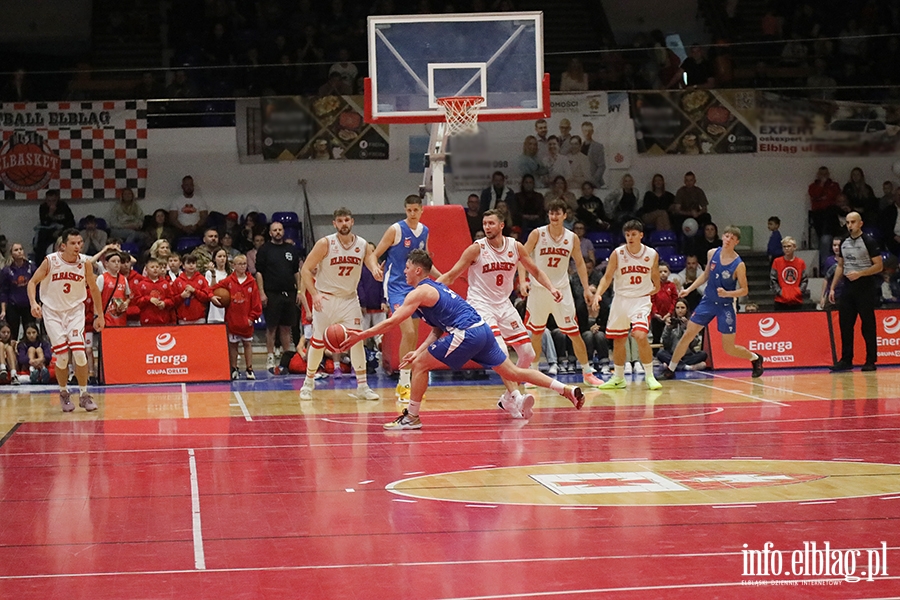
(415, 59)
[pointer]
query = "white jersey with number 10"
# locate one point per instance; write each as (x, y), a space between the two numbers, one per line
(339, 272)
(552, 256)
(632, 277)
(492, 275)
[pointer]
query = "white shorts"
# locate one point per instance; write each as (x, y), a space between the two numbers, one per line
(234, 339)
(504, 320)
(335, 310)
(541, 304)
(626, 313)
(65, 329)
(371, 319)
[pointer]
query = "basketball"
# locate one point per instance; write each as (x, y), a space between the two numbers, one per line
(335, 336)
(690, 227)
(223, 295)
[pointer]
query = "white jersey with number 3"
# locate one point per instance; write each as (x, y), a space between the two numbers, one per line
(493, 273)
(339, 272)
(552, 256)
(64, 288)
(632, 277)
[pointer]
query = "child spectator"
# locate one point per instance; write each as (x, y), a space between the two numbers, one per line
(245, 307)
(214, 276)
(774, 248)
(787, 278)
(173, 262)
(676, 324)
(115, 293)
(191, 294)
(7, 357)
(663, 302)
(258, 240)
(153, 295)
(34, 355)
(890, 292)
(134, 276)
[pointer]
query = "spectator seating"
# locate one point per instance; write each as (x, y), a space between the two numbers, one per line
(601, 239)
(666, 252)
(676, 262)
(187, 243)
(216, 220)
(132, 249)
(602, 253)
(874, 232)
(663, 238)
(287, 218)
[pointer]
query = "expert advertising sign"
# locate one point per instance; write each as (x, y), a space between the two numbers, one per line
(164, 354)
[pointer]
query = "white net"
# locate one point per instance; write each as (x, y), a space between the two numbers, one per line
(461, 113)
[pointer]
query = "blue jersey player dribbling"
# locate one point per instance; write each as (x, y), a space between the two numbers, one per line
(468, 338)
(727, 276)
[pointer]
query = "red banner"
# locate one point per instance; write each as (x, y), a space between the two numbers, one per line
(785, 339)
(166, 354)
(887, 331)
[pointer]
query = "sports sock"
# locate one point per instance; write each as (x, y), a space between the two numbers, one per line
(619, 371)
(413, 409)
(648, 368)
(313, 360)
(558, 386)
(755, 356)
(358, 360)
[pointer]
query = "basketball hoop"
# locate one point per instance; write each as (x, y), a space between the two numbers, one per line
(461, 113)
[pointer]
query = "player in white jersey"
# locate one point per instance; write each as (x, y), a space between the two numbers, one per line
(634, 270)
(551, 247)
(65, 278)
(492, 263)
(337, 260)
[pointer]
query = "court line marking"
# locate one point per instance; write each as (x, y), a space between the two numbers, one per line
(734, 392)
(763, 385)
(184, 401)
(490, 561)
(9, 434)
(243, 406)
(199, 555)
(818, 502)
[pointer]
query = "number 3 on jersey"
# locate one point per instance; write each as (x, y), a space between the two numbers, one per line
(67, 287)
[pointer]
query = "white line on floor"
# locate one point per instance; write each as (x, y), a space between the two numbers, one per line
(184, 402)
(243, 406)
(718, 389)
(199, 557)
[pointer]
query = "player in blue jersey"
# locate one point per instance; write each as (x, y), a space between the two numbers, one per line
(398, 241)
(468, 338)
(727, 276)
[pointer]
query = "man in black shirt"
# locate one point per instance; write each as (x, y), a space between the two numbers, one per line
(278, 277)
(590, 209)
(474, 216)
(699, 71)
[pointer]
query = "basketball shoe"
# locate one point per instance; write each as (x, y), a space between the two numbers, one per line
(574, 394)
(364, 392)
(87, 402)
(404, 421)
(306, 391)
(592, 380)
(66, 401)
(614, 383)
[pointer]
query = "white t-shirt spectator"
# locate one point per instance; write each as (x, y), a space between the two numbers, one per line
(346, 70)
(189, 209)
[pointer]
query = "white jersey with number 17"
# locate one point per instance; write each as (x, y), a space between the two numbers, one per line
(552, 256)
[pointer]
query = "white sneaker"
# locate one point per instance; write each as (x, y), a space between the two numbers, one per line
(14, 378)
(604, 369)
(553, 370)
(628, 368)
(364, 392)
(638, 367)
(307, 389)
(510, 403)
(270, 362)
(525, 405)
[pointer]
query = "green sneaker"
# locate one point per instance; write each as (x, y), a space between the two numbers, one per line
(615, 383)
(652, 383)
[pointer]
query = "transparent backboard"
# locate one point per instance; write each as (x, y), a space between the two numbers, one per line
(415, 59)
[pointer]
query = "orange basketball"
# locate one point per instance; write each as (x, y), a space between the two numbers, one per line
(223, 295)
(335, 336)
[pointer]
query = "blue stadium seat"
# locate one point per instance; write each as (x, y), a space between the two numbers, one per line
(286, 218)
(132, 249)
(663, 237)
(600, 239)
(187, 243)
(602, 253)
(666, 252)
(874, 232)
(676, 263)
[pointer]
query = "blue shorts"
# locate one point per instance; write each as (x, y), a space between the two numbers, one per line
(477, 343)
(726, 322)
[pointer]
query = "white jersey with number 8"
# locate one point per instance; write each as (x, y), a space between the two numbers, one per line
(632, 277)
(492, 275)
(339, 272)
(552, 256)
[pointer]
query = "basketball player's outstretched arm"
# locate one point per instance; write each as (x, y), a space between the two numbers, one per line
(317, 255)
(39, 275)
(605, 281)
(420, 296)
(468, 256)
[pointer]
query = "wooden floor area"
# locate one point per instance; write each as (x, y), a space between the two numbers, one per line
(243, 491)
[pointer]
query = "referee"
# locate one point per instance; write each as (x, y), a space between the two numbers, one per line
(858, 264)
(278, 277)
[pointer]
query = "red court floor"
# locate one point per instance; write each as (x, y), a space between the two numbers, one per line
(256, 495)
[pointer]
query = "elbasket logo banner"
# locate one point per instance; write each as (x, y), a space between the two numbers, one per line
(768, 327)
(27, 163)
(165, 342)
(154, 355)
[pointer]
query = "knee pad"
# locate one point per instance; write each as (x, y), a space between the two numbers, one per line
(62, 361)
(525, 355)
(79, 357)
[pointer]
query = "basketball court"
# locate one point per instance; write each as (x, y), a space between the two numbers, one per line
(243, 491)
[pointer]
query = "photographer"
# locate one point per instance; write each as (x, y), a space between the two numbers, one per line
(676, 324)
